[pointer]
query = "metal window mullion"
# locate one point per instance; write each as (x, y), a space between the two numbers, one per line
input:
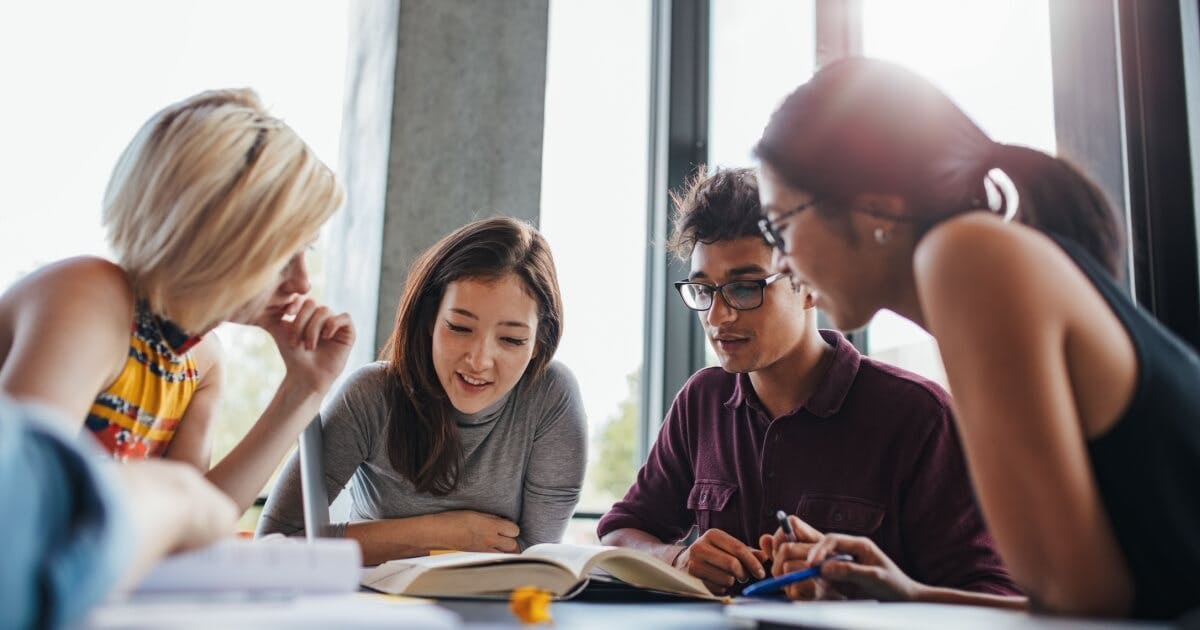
(1159, 163)
(839, 34)
(678, 141)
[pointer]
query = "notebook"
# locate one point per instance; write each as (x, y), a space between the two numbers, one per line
(346, 610)
(280, 565)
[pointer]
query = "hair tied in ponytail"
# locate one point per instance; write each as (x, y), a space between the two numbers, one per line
(1002, 195)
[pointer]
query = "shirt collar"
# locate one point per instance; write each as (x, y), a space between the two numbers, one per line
(164, 335)
(831, 391)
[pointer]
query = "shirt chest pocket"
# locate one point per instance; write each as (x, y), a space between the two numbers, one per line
(841, 514)
(712, 501)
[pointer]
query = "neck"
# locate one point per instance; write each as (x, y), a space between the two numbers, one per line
(790, 381)
(904, 300)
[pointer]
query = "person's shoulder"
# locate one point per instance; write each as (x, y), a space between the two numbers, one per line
(557, 374)
(556, 385)
(87, 297)
(554, 399)
(87, 282)
(703, 390)
(367, 387)
(362, 400)
(209, 355)
(964, 236)
(371, 379)
(904, 389)
(708, 381)
(955, 254)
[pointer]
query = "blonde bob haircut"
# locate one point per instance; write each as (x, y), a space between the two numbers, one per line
(209, 202)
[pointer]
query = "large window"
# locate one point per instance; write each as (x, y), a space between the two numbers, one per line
(101, 69)
(594, 179)
(760, 51)
(967, 48)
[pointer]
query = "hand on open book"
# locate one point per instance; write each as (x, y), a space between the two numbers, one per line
(466, 530)
(720, 560)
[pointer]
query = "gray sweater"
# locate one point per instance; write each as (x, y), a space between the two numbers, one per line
(523, 459)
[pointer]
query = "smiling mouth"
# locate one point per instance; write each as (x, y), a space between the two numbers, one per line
(473, 382)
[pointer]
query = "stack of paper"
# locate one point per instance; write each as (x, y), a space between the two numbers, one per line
(324, 565)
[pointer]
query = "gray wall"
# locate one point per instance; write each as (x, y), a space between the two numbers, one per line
(443, 125)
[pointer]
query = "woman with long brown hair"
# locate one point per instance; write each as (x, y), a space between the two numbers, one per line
(466, 435)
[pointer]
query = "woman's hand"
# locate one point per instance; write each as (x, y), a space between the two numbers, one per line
(173, 508)
(313, 341)
(467, 530)
(788, 555)
(872, 574)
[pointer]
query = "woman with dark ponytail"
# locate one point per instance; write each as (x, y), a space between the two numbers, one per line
(1079, 413)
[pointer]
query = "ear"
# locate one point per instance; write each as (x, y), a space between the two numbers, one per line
(810, 297)
(880, 206)
(876, 216)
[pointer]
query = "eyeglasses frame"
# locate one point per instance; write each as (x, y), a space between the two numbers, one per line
(719, 289)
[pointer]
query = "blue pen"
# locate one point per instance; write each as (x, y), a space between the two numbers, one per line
(770, 585)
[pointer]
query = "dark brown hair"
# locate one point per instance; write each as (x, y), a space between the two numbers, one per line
(868, 126)
(722, 206)
(423, 441)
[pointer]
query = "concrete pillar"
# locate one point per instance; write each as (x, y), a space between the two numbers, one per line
(355, 241)
(442, 125)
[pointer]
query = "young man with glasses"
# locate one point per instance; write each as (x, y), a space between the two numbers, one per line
(794, 419)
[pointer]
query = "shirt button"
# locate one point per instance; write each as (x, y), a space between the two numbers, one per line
(837, 517)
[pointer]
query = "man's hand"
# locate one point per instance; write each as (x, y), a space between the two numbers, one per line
(720, 560)
(791, 555)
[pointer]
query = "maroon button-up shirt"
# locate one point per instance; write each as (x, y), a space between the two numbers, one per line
(872, 453)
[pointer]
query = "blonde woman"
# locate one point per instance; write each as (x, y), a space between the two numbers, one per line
(209, 211)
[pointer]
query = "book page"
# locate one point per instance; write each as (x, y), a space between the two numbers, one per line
(644, 570)
(575, 558)
(468, 574)
(631, 566)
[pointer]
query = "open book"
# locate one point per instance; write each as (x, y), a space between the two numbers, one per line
(563, 570)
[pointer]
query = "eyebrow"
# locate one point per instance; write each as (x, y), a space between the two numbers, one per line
(465, 313)
(737, 271)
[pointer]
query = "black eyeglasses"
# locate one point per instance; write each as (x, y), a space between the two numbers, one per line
(740, 295)
(770, 231)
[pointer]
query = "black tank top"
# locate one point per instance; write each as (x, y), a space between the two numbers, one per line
(1147, 466)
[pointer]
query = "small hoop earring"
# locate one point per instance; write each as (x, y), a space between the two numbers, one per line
(882, 236)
